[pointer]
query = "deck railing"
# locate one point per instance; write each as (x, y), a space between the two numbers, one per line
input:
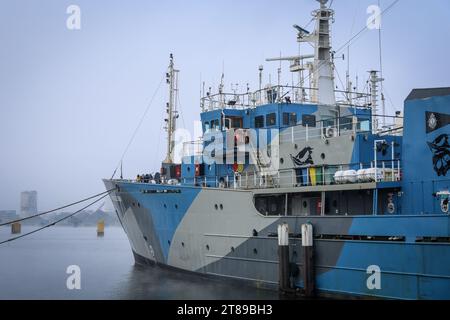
(383, 171)
(275, 94)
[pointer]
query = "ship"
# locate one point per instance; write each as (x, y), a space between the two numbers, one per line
(374, 188)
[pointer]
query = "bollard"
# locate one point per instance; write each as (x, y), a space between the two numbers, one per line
(100, 228)
(283, 257)
(16, 228)
(308, 259)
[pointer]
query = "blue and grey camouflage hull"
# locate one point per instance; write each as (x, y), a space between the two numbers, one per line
(219, 232)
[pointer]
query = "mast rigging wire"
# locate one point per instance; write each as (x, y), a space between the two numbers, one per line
(357, 35)
(138, 126)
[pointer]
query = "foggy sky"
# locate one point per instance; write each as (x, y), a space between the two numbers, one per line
(70, 100)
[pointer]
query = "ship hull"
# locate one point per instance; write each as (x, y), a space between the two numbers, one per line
(219, 232)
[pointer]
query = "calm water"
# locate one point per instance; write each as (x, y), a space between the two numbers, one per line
(34, 267)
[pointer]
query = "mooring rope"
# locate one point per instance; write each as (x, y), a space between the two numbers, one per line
(53, 210)
(59, 220)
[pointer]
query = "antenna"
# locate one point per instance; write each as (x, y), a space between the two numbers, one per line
(381, 72)
(260, 69)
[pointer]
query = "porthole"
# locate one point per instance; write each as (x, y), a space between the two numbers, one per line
(207, 247)
(188, 169)
(322, 156)
(176, 206)
(182, 244)
(168, 241)
(145, 238)
(216, 207)
(255, 251)
(281, 160)
(221, 206)
(165, 205)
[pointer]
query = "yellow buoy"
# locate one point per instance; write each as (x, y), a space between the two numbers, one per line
(16, 228)
(100, 228)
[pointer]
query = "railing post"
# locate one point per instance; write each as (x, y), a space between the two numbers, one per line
(292, 135)
(392, 164)
(323, 175)
(293, 176)
(307, 133)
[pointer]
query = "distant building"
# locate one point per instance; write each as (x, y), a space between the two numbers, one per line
(8, 215)
(28, 203)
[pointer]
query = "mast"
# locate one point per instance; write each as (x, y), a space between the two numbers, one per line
(172, 113)
(323, 63)
(321, 70)
(374, 79)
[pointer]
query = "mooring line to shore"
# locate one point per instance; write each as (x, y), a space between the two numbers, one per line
(60, 208)
(59, 220)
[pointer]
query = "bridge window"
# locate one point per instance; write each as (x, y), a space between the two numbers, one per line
(289, 119)
(236, 122)
(271, 119)
(309, 120)
(346, 123)
(259, 122)
(214, 124)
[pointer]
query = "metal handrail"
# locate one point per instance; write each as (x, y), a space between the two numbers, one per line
(278, 95)
(325, 173)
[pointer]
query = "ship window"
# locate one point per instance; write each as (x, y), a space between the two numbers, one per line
(227, 124)
(259, 122)
(309, 120)
(289, 119)
(236, 122)
(285, 119)
(272, 205)
(271, 119)
(346, 123)
(214, 124)
(207, 126)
